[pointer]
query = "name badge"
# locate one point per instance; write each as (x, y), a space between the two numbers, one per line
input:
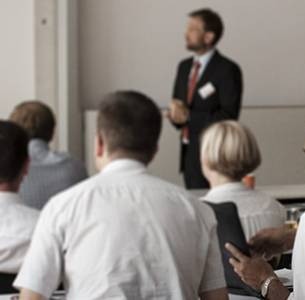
(207, 90)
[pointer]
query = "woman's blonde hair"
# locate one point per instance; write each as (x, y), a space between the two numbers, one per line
(230, 149)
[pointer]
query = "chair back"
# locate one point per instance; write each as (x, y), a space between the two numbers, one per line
(230, 230)
(6, 283)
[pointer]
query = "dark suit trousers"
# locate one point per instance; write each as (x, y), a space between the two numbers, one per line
(191, 165)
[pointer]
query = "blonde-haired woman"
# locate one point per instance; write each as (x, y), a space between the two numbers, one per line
(229, 151)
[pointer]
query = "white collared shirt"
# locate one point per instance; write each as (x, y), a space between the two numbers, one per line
(203, 60)
(50, 172)
(256, 209)
(17, 224)
(298, 261)
(124, 234)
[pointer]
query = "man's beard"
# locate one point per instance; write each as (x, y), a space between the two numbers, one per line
(196, 48)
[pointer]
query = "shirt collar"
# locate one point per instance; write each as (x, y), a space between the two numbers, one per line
(121, 165)
(204, 58)
(227, 187)
(9, 198)
(38, 148)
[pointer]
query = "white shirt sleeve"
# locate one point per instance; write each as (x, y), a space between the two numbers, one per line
(213, 277)
(41, 271)
(12, 253)
(298, 260)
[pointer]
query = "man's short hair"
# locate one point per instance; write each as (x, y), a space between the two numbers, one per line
(230, 149)
(36, 118)
(212, 22)
(130, 122)
(13, 150)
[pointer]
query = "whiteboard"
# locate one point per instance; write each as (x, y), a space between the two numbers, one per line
(137, 44)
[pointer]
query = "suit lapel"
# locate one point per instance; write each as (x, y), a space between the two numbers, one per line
(186, 73)
(209, 70)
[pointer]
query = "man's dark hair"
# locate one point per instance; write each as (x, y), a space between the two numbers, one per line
(212, 22)
(13, 151)
(36, 118)
(130, 122)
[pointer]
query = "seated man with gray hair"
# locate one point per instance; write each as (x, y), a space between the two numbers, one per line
(50, 171)
(125, 234)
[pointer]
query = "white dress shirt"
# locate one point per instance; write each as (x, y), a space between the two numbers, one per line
(256, 209)
(126, 235)
(298, 262)
(17, 224)
(50, 173)
(203, 60)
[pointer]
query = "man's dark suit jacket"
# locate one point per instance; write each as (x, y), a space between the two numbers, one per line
(226, 77)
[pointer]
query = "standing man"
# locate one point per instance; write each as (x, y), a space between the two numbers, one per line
(207, 89)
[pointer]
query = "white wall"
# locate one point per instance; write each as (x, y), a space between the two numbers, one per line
(17, 59)
(56, 32)
(137, 44)
(280, 133)
(67, 81)
(39, 60)
(45, 52)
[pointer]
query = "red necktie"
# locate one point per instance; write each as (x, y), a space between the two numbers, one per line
(190, 94)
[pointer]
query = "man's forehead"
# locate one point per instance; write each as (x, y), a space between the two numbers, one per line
(196, 22)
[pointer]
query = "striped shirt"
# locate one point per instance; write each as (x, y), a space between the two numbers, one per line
(50, 172)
